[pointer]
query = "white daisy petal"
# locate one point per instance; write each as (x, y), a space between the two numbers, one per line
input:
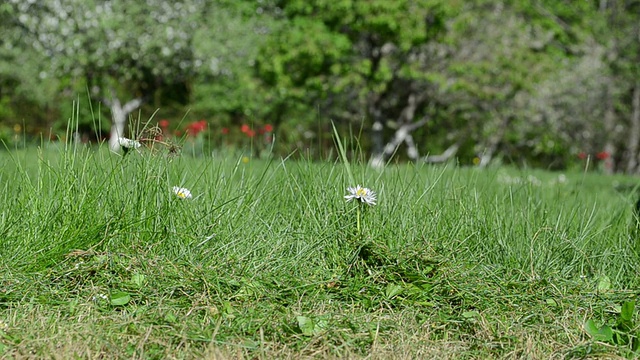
(182, 193)
(128, 143)
(365, 195)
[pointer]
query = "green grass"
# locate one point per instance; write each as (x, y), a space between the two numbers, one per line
(99, 259)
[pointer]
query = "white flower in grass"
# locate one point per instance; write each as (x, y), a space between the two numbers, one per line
(182, 193)
(363, 194)
(128, 144)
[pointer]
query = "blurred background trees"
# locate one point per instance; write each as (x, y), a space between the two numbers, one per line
(544, 83)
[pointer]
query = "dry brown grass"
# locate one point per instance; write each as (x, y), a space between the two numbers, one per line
(38, 333)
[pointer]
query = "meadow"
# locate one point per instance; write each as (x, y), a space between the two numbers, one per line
(100, 259)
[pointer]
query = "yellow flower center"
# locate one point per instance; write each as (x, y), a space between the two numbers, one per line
(361, 192)
(181, 195)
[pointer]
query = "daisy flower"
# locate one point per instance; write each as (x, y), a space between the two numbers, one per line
(363, 194)
(181, 192)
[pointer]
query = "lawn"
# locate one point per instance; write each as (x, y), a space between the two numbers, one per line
(100, 259)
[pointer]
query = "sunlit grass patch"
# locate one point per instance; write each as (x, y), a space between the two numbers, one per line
(266, 259)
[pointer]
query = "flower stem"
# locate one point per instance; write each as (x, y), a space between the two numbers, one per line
(358, 221)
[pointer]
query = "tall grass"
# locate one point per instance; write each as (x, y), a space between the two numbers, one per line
(260, 262)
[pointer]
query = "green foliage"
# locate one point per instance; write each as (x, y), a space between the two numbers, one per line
(530, 83)
(102, 43)
(226, 88)
(625, 333)
(119, 298)
(94, 47)
(346, 53)
(603, 333)
(26, 93)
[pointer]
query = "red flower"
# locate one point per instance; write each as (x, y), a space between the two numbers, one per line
(196, 127)
(245, 128)
(164, 123)
(602, 155)
(268, 128)
(225, 131)
(582, 155)
(251, 133)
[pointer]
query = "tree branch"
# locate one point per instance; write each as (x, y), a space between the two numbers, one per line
(445, 156)
(131, 105)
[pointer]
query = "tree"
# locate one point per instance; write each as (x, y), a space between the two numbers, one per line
(125, 52)
(497, 55)
(622, 41)
(23, 93)
(227, 87)
(355, 61)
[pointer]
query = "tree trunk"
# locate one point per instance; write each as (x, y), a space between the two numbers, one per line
(444, 157)
(119, 115)
(610, 131)
(493, 142)
(403, 133)
(377, 133)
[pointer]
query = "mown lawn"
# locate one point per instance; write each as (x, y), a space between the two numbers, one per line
(100, 259)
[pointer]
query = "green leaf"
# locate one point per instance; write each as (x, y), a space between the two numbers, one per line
(170, 318)
(604, 283)
(626, 313)
(119, 298)
(137, 279)
(393, 290)
(306, 325)
(470, 314)
(227, 309)
(321, 324)
(625, 318)
(603, 333)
